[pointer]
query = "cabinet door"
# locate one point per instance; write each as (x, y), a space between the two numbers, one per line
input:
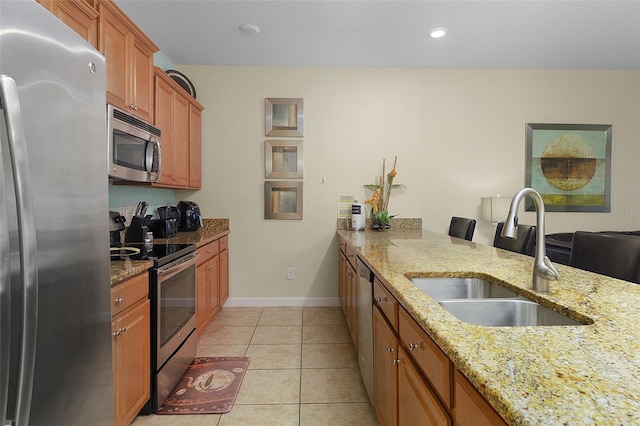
(214, 286)
(163, 114)
(342, 281)
(131, 362)
(78, 15)
(141, 99)
(224, 276)
(470, 407)
(202, 312)
(352, 307)
(417, 404)
(195, 147)
(385, 351)
(115, 42)
(180, 140)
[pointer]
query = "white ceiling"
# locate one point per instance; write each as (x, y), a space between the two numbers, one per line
(542, 34)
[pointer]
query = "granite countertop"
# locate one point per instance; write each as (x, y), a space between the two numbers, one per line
(212, 230)
(577, 375)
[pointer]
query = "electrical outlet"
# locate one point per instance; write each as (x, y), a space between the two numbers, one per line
(291, 272)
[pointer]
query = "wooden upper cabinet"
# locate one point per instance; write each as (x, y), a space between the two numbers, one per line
(195, 146)
(178, 116)
(78, 15)
(129, 59)
(163, 119)
(181, 140)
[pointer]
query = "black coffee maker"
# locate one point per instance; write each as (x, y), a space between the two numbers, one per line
(190, 218)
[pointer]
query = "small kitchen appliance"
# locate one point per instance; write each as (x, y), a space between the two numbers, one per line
(357, 216)
(190, 218)
(164, 228)
(133, 147)
(116, 225)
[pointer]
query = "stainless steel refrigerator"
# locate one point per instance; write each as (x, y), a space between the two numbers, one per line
(55, 334)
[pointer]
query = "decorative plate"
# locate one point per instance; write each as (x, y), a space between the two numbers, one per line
(183, 81)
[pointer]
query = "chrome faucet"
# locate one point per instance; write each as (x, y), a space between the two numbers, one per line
(543, 269)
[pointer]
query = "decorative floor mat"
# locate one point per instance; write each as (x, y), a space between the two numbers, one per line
(209, 386)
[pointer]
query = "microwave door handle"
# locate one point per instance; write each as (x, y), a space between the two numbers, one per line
(152, 146)
(17, 143)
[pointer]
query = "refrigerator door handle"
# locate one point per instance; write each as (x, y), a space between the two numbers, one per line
(16, 139)
(5, 295)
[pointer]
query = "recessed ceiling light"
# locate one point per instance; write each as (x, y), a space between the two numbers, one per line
(249, 29)
(438, 32)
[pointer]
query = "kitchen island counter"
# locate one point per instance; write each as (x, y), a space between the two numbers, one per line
(581, 375)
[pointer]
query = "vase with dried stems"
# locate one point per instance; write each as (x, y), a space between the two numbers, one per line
(379, 201)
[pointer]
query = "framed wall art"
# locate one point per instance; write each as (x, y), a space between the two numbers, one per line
(570, 166)
(282, 200)
(284, 116)
(283, 159)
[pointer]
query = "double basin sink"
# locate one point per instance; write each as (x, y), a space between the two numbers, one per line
(482, 302)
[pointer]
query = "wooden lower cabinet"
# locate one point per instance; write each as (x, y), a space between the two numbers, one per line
(131, 347)
(207, 286)
(386, 372)
(212, 281)
(348, 284)
(417, 403)
(413, 378)
(224, 276)
(471, 407)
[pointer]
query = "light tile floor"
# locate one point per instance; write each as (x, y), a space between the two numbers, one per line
(303, 370)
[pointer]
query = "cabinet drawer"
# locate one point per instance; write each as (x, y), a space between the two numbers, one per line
(208, 251)
(129, 292)
(351, 256)
(470, 405)
(343, 245)
(387, 303)
(429, 358)
(224, 242)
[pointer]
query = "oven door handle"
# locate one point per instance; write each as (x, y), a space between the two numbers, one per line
(178, 266)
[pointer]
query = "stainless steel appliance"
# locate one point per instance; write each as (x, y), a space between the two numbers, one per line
(172, 291)
(190, 217)
(364, 309)
(55, 317)
(133, 147)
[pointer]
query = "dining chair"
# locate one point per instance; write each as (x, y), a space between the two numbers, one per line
(614, 255)
(462, 227)
(524, 243)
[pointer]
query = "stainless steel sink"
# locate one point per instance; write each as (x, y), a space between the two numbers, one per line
(461, 288)
(482, 302)
(505, 313)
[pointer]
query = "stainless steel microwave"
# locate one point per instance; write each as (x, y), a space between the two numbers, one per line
(134, 147)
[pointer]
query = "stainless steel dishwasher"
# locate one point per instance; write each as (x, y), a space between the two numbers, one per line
(364, 301)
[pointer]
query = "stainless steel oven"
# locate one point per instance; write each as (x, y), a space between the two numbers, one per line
(174, 316)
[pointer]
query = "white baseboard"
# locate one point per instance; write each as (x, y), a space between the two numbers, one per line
(281, 301)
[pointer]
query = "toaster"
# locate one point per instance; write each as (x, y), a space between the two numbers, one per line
(164, 228)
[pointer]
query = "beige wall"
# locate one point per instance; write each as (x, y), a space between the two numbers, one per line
(459, 135)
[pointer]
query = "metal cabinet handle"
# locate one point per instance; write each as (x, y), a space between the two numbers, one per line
(119, 300)
(389, 350)
(119, 332)
(381, 299)
(396, 361)
(133, 107)
(413, 346)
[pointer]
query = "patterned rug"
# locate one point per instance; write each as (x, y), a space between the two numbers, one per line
(209, 386)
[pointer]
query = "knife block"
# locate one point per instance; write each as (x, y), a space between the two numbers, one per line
(137, 230)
